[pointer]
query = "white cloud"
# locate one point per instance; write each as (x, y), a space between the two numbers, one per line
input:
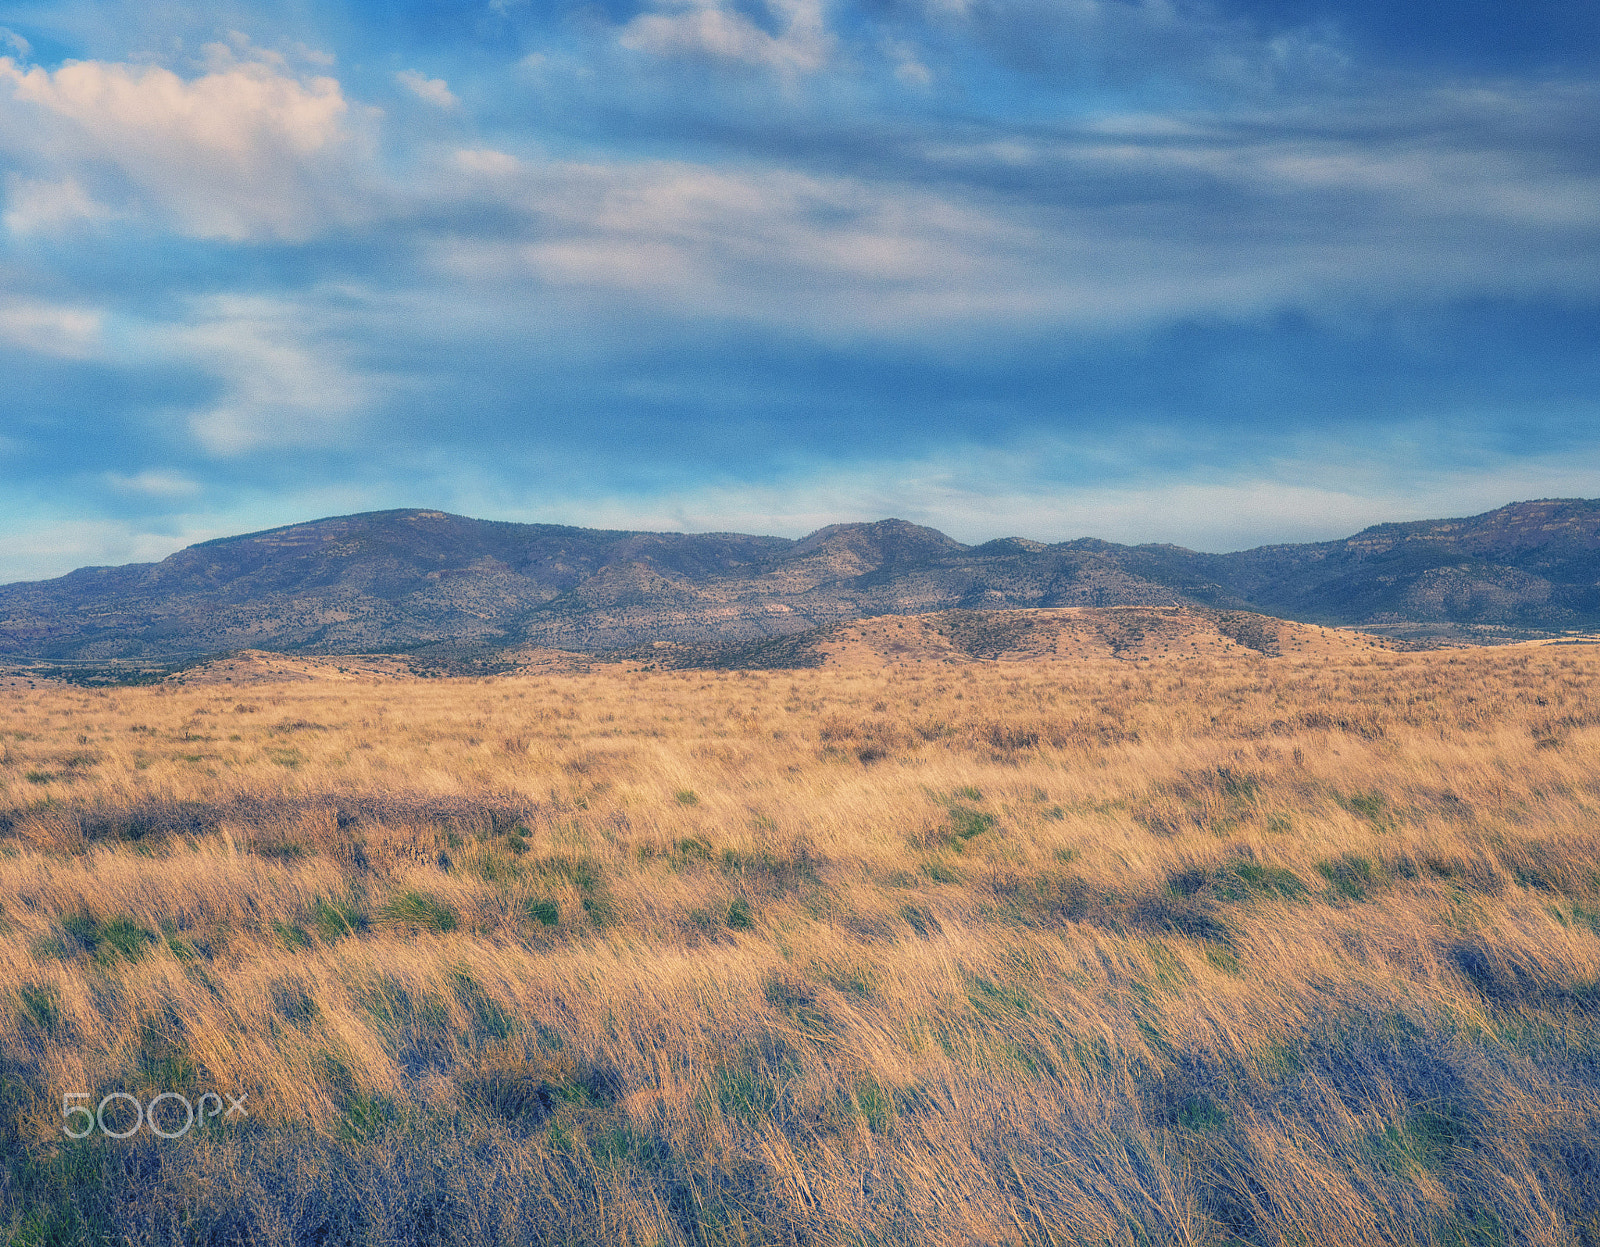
(713, 30)
(246, 150)
(50, 329)
(1410, 177)
(435, 91)
(1429, 182)
(15, 42)
(486, 160)
(286, 379)
(153, 483)
(908, 66)
(36, 206)
(315, 56)
(1180, 217)
(1176, 217)
(837, 254)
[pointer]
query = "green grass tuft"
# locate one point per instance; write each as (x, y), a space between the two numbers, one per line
(1350, 876)
(417, 910)
(333, 920)
(544, 911)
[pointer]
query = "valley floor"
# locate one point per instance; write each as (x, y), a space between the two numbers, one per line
(1211, 947)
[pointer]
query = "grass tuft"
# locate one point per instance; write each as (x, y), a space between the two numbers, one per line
(414, 909)
(544, 911)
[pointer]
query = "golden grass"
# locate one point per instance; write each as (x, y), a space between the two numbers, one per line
(1197, 951)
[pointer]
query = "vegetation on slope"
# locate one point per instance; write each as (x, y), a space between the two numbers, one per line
(459, 591)
(1195, 952)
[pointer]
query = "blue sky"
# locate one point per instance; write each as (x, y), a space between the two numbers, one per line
(1213, 273)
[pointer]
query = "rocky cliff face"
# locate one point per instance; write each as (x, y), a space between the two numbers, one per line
(396, 580)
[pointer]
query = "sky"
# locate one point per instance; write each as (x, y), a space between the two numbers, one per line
(1219, 274)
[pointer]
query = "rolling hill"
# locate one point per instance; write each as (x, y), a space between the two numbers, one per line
(427, 582)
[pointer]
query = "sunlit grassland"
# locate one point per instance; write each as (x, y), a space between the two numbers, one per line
(1185, 952)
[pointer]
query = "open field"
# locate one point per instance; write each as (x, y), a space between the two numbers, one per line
(1209, 947)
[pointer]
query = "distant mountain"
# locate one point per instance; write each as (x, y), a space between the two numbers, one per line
(391, 581)
(1532, 566)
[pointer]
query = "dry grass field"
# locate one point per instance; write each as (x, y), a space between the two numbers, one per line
(1206, 948)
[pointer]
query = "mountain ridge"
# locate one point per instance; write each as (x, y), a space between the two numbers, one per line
(418, 580)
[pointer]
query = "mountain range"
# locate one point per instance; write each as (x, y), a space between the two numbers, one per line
(414, 581)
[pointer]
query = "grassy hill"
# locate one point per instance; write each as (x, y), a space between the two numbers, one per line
(452, 589)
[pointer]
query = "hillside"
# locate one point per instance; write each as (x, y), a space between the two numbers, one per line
(1532, 565)
(449, 586)
(1073, 634)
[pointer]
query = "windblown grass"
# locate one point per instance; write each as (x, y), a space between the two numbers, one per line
(1192, 952)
